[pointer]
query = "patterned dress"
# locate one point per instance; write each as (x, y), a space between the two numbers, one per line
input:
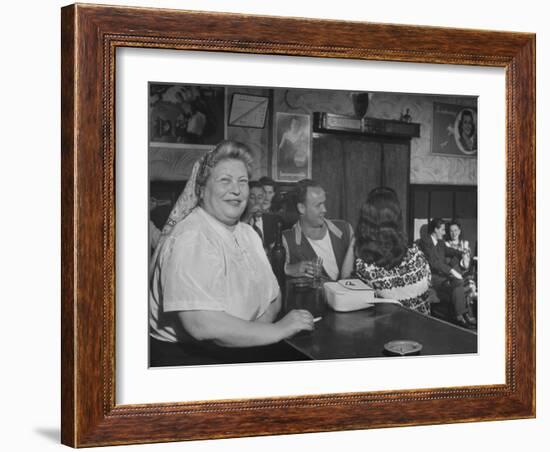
(408, 282)
(470, 287)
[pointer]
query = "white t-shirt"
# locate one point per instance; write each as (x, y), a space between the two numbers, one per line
(323, 249)
(205, 266)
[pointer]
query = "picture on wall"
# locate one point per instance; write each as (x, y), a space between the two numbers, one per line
(292, 152)
(183, 115)
(248, 111)
(454, 130)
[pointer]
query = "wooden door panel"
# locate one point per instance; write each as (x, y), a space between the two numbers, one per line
(327, 169)
(396, 174)
(362, 173)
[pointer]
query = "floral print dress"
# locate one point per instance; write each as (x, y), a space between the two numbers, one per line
(408, 282)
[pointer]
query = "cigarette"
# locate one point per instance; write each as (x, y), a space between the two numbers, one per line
(316, 319)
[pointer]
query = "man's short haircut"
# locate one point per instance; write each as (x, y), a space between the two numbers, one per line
(434, 224)
(267, 181)
(301, 189)
(255, 184)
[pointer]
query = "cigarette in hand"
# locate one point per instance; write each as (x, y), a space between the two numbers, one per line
(316, 319)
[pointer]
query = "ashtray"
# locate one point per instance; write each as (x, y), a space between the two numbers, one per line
(354, 284)
(403, 348)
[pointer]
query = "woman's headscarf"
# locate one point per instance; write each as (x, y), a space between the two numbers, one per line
(184, 205)
(189, 198)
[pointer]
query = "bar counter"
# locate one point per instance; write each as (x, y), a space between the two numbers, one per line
(363, 333)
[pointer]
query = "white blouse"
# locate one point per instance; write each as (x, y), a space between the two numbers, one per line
(203, 265)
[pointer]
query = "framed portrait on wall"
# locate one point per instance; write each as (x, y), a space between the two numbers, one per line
(185, 115)
(292, 152)
(454, 132)
(185, 121)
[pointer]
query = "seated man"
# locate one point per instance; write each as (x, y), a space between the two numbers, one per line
(446, 281)
(314, 236)
(264, 223)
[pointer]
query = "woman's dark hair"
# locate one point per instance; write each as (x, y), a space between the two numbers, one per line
(461, 122)
(379, 237)
(453, 223)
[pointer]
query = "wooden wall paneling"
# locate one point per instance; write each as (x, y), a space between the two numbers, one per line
(327, 169)
(397, 162)
(362, 173)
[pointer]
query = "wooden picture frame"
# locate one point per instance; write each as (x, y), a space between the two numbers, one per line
(90, 37)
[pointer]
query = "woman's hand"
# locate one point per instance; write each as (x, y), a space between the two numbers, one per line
(295, 321)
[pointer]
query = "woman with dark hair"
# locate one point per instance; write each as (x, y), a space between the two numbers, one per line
(467, 138)
(463, 264)
(447, 281)
(455, 238)
(383, 260)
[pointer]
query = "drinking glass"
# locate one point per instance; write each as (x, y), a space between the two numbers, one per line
(317, 271)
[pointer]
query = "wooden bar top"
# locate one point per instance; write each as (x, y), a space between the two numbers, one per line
(362, 334)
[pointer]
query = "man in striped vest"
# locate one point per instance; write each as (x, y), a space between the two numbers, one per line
(314, 236)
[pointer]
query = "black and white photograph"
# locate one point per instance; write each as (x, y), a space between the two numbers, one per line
(185, 114)
(327, 230)
(292, 153)
(106, 167)
(454, 130)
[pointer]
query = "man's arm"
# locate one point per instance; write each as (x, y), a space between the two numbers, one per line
(437, 264)
(463, 260)
(451, 252)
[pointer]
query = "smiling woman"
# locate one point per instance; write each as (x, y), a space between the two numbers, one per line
(212, 288)
(223, 183)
